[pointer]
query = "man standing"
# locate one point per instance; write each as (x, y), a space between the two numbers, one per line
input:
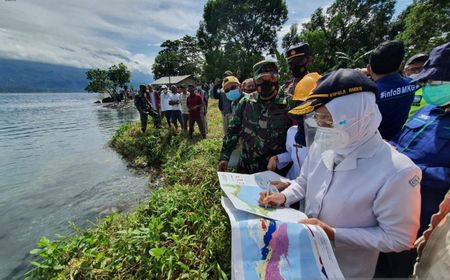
(166, 108)
(395, 93)
(174, 101)
(153, 99)
(142, 105)
(194, 104)
(184, 108)
(260, 120)
(298, 57)
(413, 67)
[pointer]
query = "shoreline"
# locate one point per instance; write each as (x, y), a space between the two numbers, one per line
(181, 231)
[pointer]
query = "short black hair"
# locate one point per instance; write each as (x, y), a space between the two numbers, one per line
(387, 57)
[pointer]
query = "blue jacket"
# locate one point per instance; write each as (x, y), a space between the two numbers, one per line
(426, 140)
(394, 98)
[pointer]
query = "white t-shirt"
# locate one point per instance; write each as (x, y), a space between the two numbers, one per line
(175, 97)
(165, 97)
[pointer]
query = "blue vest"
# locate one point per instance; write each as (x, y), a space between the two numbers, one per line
(425, 139)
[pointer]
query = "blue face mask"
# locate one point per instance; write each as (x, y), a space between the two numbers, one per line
(233, 94)
(438, 95)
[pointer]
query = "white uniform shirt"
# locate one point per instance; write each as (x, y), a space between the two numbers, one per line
(371, 199)
(175, 97)
(165, 97)
(293, 153)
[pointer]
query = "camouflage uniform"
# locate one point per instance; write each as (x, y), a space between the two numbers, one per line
(287, 90)
(262, 126)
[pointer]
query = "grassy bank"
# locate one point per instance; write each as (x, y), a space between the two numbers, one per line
(182, 232)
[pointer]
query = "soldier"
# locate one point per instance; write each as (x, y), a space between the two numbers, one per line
(298, 57)
(260, 120)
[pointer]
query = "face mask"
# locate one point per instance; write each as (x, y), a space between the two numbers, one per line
(300, 135)
(267, 89)
(299, 72)
(233, 94)
(438, 95)
(329, 138)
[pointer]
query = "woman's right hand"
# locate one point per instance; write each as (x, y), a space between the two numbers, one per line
(272, 165)
(271, 200)
(281, 186)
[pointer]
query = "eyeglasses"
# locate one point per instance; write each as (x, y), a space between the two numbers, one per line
(320, 119)
(233, 87)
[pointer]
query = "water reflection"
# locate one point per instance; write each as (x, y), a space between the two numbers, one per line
(55, 168)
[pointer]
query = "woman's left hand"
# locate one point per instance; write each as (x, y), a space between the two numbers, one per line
(313, 221)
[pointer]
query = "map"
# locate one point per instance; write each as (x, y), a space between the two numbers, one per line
(264, 249)
(243, 191)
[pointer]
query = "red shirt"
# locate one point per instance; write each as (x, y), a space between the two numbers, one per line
(194, 101)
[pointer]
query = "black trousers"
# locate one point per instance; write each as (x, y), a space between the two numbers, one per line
(396, 265)
(144, 119)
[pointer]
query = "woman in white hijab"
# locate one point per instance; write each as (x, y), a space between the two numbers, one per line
(363, 193)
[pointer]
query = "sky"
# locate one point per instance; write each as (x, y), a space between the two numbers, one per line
(87, 33)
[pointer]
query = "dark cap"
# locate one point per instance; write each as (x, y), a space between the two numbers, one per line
(301, 49)
(417, 58)
(335, 84)
(437, 66)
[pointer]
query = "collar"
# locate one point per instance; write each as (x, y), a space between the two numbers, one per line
(366, 150)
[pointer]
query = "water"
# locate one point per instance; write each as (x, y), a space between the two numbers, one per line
(55, 168)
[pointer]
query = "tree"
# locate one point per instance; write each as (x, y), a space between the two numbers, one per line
(425, 25)
(291, 38)
(108, 81)
(178, 57)
(234, 33)
(347, 31)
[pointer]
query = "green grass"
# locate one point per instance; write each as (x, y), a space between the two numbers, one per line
(182, 232)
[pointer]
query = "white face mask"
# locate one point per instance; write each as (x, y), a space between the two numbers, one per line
(330, 138)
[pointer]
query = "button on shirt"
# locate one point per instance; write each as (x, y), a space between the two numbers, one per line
(371, 199)
(426, 140)
(394, 98)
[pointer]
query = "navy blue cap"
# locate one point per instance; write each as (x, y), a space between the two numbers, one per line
(335, 84)
(301, 49)
(437, 67)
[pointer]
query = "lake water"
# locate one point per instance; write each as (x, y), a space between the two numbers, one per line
(55, 168)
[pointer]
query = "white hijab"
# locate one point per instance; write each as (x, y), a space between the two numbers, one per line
(358, 115)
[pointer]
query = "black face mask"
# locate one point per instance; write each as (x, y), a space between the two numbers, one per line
(299, 72)
(267, 89)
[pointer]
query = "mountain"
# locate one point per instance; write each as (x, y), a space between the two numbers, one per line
(29, 76)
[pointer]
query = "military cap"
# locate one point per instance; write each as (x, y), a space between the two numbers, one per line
(335, 84)
(264, 68)
(301, 49)
(418, 58)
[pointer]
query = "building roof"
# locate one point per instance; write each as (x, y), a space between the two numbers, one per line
(173, 80)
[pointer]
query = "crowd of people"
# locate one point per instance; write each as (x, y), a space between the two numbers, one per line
(367, 150)
(182, 106)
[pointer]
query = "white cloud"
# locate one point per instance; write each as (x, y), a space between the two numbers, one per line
(85, 33)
